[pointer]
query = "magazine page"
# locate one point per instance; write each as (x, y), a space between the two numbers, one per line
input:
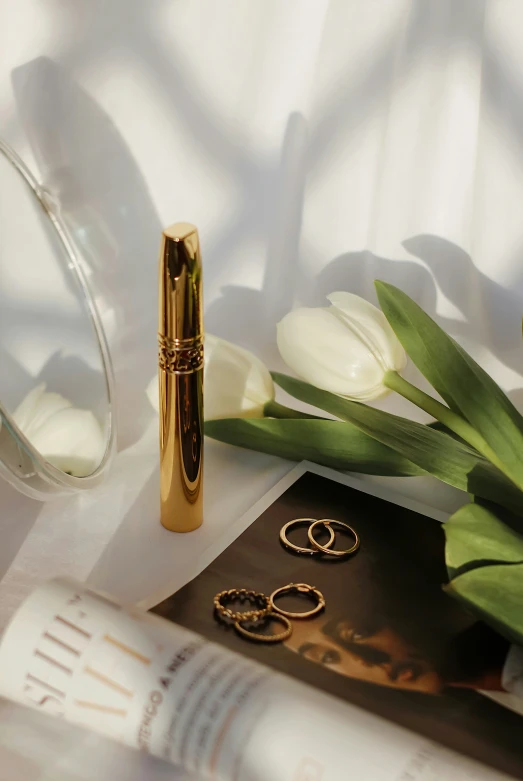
(76, 655)
(389, 640)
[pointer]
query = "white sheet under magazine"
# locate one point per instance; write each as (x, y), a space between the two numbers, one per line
(317, 144)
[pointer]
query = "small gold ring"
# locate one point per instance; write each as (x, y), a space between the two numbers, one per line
(258, 638)
(298, 588)
(296, 548)
(261, 601)
(323, 548)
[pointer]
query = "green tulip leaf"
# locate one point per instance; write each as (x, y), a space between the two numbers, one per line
(475, 533)
(435, 452)
(484, 558)
(327, 442)
(436, 425)
(495, 594)
(459, 380)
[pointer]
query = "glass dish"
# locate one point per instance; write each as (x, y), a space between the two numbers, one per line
(51, 335)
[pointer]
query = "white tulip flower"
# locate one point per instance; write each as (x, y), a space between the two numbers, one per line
(69, 438)
(236, 383)
(345, 348)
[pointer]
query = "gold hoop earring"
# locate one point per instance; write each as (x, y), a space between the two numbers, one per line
(261, 602)
(258, 638)
(298, 549)
(298, 588)
(323, 548)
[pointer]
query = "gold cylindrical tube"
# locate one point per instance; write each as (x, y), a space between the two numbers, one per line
(180, 371)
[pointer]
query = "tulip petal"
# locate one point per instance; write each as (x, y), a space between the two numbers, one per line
(237, 383)
(320, 349)
(72, 440)
(371, 323)
(153, 393)
(36, 408)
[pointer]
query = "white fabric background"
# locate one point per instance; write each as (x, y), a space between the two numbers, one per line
(318, 145)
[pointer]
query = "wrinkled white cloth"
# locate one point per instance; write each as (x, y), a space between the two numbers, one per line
(317, 144)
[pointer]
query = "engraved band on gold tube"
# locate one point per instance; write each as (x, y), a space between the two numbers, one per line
(180, 356)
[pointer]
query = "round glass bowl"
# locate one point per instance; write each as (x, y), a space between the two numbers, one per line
(51, 342)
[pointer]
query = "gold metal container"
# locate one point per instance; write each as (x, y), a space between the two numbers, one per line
(180, 370)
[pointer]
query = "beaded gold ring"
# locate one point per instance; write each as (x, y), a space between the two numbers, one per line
(256, 598)
(259, 638)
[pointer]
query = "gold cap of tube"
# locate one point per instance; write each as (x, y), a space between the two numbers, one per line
(181, 378)
(181, 311)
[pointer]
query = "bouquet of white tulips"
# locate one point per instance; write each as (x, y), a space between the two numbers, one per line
(350, 353)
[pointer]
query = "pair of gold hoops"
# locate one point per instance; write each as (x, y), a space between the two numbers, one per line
(317, 549)
(265, 607)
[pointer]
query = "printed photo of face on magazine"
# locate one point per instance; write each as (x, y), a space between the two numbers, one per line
(385, 648)
(389, 640)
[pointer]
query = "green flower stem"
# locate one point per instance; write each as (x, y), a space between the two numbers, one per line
(450, 419)
(273, 409)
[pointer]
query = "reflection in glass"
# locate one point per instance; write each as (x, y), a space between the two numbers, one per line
(55, 375)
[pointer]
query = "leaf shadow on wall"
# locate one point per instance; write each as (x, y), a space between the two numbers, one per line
(248, 316)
